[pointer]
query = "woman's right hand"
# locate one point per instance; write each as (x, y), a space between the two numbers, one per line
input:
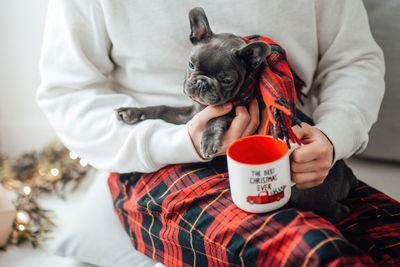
(245, 123)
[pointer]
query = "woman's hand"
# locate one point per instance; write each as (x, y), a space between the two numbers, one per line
(245, 123)
(310, 163)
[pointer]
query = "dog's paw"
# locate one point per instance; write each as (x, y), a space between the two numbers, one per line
(130, 115)
(210, 145)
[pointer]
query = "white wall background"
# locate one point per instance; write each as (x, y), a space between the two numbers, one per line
(22, 125)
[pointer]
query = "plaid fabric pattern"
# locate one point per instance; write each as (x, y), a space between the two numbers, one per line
(183, 215)
(374, 225)
(277, 84)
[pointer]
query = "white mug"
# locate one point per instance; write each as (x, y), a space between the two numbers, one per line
(259, 173)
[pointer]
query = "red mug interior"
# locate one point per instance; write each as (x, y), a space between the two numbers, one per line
(257, 149)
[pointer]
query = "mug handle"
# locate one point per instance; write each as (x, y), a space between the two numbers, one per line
(293, 147)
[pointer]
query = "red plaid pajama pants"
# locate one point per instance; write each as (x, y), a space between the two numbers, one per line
(183, 215)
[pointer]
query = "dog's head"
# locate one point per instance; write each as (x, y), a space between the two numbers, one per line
(218, 63)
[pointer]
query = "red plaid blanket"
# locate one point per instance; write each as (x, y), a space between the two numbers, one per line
(183, 215)
(278, 85)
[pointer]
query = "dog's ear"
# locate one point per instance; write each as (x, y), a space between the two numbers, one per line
(254, 53)
(200, 29)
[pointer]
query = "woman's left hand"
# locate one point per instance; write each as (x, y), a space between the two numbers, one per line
(310, 163)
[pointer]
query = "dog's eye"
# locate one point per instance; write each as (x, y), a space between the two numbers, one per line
(191, 65)
(227, 81)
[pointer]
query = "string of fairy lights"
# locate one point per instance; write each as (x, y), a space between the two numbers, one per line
(55, 170)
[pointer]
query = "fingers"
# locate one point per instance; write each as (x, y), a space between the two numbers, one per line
(307, 153)
(201, 119)
(245, 122)
(264, 116)
(304, 133)
(238, 125)
(198, 123)
(308, 177)
(311, 149)
(312, 166)
(310, 163)
(299, 131)
(254, 113)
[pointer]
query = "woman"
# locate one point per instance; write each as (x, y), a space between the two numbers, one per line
(102, 55)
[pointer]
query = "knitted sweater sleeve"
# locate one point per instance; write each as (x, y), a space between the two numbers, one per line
(76, 96)
(349, 80)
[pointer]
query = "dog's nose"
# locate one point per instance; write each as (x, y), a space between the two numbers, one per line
(201, 84)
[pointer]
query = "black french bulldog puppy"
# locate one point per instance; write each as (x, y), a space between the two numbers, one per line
(218, 66)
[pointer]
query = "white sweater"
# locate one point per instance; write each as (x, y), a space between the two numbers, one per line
(99, 55)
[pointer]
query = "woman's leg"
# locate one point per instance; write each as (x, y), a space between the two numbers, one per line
(374, 224)
(183, 215)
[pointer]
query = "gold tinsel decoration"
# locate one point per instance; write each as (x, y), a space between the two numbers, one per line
(55, 170)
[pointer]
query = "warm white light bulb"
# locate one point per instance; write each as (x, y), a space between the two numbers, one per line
(83, 162)
(54, 172)
(73, 155)
(21, 227)
(27, 190)
(23, 217)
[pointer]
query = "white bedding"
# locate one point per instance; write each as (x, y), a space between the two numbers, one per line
(25, 255)
(87, 230)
